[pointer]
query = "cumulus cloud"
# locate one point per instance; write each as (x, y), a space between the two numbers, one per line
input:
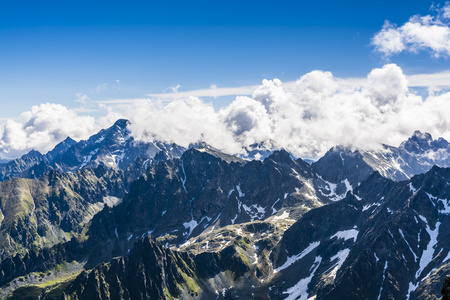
(181, 121)
(430, 33)
(306, 117)
(43, 127)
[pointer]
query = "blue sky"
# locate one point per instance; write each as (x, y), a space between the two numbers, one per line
(73, 67)
(53, 50)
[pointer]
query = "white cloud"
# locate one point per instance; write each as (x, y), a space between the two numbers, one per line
(387, 84)
(433, 80)
(213, 91)
(43, 127)
(420, 33)
(306, 117)
(181, 121)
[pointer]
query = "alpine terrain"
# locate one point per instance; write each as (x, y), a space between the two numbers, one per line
(112, 217)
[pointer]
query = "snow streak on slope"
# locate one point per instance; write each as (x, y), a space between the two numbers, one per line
(300, 290)
(292, 259)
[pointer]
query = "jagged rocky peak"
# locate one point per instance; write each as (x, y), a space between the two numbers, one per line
(32, 154)
(340, 163)
(60, 148)
(202, 147)
(422, 142)
(201, 144)
(280, 156)
(114, 134)
(122, 123)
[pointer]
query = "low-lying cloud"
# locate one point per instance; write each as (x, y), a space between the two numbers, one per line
(306, 118)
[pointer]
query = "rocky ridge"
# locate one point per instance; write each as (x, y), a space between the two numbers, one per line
(294, 229)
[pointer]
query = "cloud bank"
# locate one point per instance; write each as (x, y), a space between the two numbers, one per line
(420, 33)
(307, 117)
(42, 128)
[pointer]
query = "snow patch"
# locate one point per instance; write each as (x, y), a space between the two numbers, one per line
(446, 209)
(331, 187)
(274, 211)
(283, 216)
(230, 192)
(191, 225)
(415, 256)
(384, 276)
(346, 234)
(412, 188)
(254, 211)
(447, 257)
(238, 188)
(341, 256)
(367, 206)
(183, 181)
(427, 255)
(292, 259)
(300, 290)
(111, 201)
(376, 257)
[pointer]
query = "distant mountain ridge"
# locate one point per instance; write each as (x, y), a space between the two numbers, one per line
(113, 147)
(417, 155)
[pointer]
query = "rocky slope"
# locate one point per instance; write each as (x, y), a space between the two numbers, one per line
(225, 227)
(203, 190)
(39, 213)
(387, 241)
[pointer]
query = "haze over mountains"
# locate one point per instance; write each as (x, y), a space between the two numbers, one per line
(154, 219)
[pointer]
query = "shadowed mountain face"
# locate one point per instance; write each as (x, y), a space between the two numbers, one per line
(202, 191)
(387, 240)
(224, 227)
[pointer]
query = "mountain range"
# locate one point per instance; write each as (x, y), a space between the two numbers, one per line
(112, 217)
